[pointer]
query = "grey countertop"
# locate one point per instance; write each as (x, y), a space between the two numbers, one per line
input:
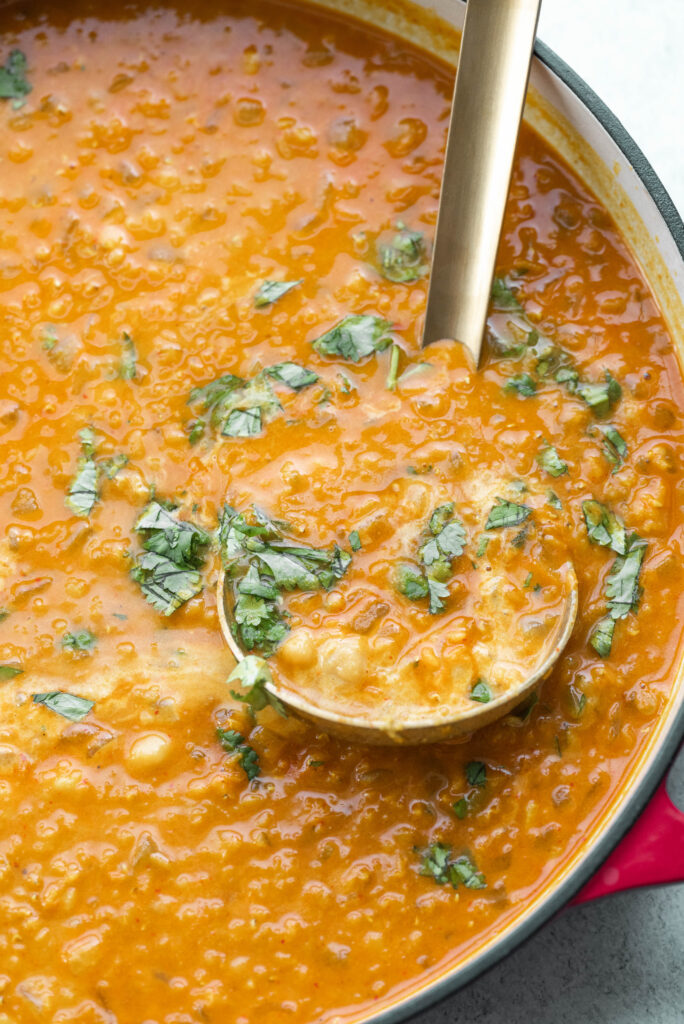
(617, 961)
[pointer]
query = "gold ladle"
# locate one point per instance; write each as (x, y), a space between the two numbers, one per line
(489, 96)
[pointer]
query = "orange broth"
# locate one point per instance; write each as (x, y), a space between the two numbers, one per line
(165, 163)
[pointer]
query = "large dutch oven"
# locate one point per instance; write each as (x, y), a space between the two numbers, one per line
(640, 840)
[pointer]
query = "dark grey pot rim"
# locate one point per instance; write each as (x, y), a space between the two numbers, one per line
(562, 892)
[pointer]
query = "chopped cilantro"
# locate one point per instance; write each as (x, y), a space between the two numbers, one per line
(254, 674)
(393, 374)
(13, 82)
(129, 358)
(114, 465)
(242, 423)
(262, 563)
(83, 490)
(437, 863)
(523, 384)
(65, 704)
(553, 500)
(355, 540)
(578, 700)
(460, 808)
(82, 642)
(234, 742)
(482, 545)
(503, 297)
(271, 291)
(9, 672)
(550, 460)
(601, 397)
(410, 581)
(622, 587)
(604, 527)
(292, 374)
(174, 552)
(481, 692)
(614, 447)
(403, 259)
(476, 773)
(506, 513)
(355, 337)
(601, 637)
(444, 541)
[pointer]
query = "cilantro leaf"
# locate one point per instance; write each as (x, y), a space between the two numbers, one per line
(393, 375)
(604, 527)
(553, 500)
(476, 773)
(506, 513)
(355, 540)
(234, 742)
(403, 259)
(254, 674)
(83, 490)
(503, 297)
(436, 863)
(622, 587)
(65, 704)
(355, 337)
(9, 672)
(438, 593)
(13, 81)
(292, 374)
(601, 397)
(523, 384)
(175, 539)
(129, 358)
(114, 465)
(481, 692)
(82, 642)
(550, 460)
(614, 447)
(242, 423)
(601, 637)
(460, 808)
(270, 291)
(164, 584)
(410, 581)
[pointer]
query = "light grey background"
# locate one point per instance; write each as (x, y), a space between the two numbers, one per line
(620, 960)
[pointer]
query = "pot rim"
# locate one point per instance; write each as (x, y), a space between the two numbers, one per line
(652, 773)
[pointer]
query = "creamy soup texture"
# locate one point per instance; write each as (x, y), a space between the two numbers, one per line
(215, 231)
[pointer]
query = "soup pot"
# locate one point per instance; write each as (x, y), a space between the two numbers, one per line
(640, 839)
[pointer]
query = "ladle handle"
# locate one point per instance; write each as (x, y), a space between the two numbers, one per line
(489, 96)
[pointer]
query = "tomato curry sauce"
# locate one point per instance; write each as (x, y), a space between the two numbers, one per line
(214, 239)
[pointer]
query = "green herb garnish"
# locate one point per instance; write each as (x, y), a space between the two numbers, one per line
(234, 742)
(253, 674)
(403, 259)
(507, 513)
(481, 692)
(460, 808)
(13, 82)
(476, 773)
(81, 642)
(523, 384)
(271, 291)
(550, 460)
(355, 337)
(393, 374)
(438, 864)
(65, 704)
(604, 527)
(293, 375)
(168, 572)
(9, 672)
(355, 540)
(444, 540)
(129, 358)
(614, 447)
(503, 297)
(601, 397)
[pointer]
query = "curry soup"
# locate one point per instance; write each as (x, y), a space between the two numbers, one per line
(193, 205)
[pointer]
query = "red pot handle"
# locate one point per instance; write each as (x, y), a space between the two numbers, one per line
(651, 853)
